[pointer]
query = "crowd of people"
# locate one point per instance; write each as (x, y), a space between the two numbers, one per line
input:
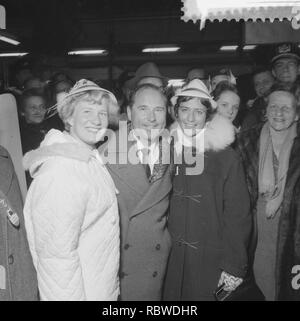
(197, 196)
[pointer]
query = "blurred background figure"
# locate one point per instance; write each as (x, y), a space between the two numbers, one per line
(33, 82)
(59, 83)
(21, 71)
(285, 63)
(228, 101)
(197, 73)
(123, 92)
(263, 80)
(33, 126)
(148, 73)
(219, 75)
(63, 85)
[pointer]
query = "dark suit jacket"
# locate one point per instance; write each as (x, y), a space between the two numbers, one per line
(145, 240)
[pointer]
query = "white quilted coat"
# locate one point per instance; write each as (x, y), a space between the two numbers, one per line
(72, 221)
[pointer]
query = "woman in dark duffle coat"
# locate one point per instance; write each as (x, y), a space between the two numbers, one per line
(17, 275)
(270, 154)
(209, 211)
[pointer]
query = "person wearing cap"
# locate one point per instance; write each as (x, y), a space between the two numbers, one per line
(219, 75)
(143, 180)
(209, 219)
(285, 64)
(148, 73)
(71, 210)
(270, 155)
(18, 280)
(263, 80)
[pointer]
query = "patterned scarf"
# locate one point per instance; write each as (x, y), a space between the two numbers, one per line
(271, 187)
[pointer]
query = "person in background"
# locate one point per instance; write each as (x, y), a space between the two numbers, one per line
(33, 127)
(18, 281)
(270, 155)
(263, 80)
(59, 84)
(33, 82)
(20, 71)
(285, 64)
(123, 92)
(148, 73)
(197, 73)
(228, 101)
(209, 218)
(220, 75)
(71, 210)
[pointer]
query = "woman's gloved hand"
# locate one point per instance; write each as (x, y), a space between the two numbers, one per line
(231, 282)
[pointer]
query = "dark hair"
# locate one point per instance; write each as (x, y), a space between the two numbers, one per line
(222, 87)
(142, 87)
(279, 86)
(204, 102)
(260, 70)
(33, 92)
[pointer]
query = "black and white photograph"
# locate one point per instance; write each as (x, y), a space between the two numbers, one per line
(149, 153)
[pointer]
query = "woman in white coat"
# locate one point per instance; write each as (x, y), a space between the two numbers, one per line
(71, 209)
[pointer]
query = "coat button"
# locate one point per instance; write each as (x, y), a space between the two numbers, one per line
(126, 246)
(157, 247)
(122, 275)
(11, 259)
(154, 274)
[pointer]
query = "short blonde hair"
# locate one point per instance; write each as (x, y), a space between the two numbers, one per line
(67, 107)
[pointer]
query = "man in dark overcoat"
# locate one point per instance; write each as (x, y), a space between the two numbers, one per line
(143, 196)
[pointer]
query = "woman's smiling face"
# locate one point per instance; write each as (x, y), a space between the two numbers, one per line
(191, 116)
(281, 110)
(89, 121)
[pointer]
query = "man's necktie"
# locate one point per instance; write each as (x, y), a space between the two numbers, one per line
(145, 152)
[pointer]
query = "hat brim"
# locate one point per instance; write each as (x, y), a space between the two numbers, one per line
(53, 109)
(90, 88)
(194, 94)
(285, 55)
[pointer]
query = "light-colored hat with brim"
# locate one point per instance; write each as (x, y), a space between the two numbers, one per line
(149, 69)
(195, 88)
(80, 86)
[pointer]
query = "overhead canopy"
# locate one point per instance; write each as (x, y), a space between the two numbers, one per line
(240, 9)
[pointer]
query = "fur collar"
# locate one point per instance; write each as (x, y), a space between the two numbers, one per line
(217, 134)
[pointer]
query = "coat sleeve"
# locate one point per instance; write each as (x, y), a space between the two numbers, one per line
(57, 206)
(237, 221)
